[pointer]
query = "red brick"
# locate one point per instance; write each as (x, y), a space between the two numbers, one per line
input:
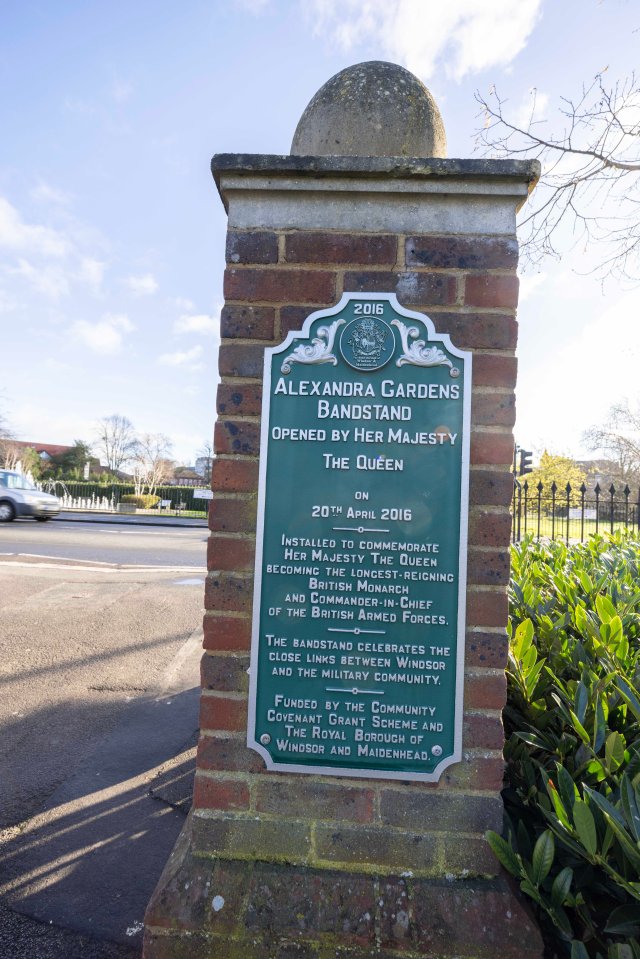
(493, 409)
(416, 809)
(228, 592)
(292, 318)
(483, 732)
(219, 713)
(232, 515)
(280, 286)
(242, 398)
(228, 754)
(485, 690)
(347, 248)
(491, 449)
(427, 289)
(487, 487)
(478, 331)
(487, 607)
(247, 322)
(489, 529)
(462, 253)
(236, 836)
(465, 854)
(478, 917)
(293, 904)
(492, 291)
(226, 633)
(314, 800)
(482, 773)
(491, 369)
(237, 436)
(241, 359)
(257, 246)
(224, 674)
(384, 847)
(228, 553)
(235, 475)
(210, 793)
(483, 648)
(488, 568)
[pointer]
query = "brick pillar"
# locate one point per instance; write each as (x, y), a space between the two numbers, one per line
(282, 865)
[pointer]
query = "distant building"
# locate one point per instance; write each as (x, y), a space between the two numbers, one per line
(46, 451)
(187, 476)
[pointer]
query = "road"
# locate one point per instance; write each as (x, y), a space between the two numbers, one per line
(104, 543)
(100, 643)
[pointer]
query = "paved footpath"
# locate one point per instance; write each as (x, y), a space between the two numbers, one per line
(103, 810)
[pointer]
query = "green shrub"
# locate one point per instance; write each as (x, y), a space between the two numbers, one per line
(572, 725)
(140, 502)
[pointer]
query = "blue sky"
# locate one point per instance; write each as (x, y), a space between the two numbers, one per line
(112, 233)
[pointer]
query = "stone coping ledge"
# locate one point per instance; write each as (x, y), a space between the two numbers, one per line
(314, 167)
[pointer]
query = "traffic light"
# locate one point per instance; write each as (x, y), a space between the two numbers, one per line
(525, 462)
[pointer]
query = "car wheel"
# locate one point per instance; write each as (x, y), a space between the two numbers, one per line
(42, 519)
(7, 512)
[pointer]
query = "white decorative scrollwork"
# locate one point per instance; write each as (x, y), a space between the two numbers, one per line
(418, 353)
(318, 351)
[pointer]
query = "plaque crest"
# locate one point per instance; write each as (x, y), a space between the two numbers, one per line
(367, 343)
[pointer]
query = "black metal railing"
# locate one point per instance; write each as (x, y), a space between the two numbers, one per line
(572, 514)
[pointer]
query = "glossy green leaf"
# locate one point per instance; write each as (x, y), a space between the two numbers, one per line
(561, 886)
(578, 950)
(630, 800)
(543, 853)
(585, 826)
(606, 609)
(624, 921)
(614, 751)
(504, 853)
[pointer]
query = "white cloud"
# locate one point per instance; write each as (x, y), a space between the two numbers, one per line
(17, 235)
(461, 36)
(143, 285)
(197, 323)
(186, 358)
(106, 336)
(121, 90)
(91, 272)
(182, 303)
(529, 283)
(253, 6)
(583, 377)
(52, 281)
(45, 193)
(533, 106)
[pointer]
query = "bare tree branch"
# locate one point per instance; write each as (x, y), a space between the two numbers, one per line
(588, 191)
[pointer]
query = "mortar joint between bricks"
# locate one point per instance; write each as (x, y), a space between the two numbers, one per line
(491, 430)
(223, 734)
(282, 242)
(493, 391)
(479, 672)
(250, 537)
(224, 694)
(497, 590)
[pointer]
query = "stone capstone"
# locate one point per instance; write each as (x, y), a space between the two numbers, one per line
(371, 109)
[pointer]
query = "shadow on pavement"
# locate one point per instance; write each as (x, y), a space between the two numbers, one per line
(90, 859)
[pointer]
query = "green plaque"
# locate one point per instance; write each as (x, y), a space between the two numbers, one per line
(359, 604)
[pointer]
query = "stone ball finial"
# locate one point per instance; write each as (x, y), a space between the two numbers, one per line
(371, 109)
